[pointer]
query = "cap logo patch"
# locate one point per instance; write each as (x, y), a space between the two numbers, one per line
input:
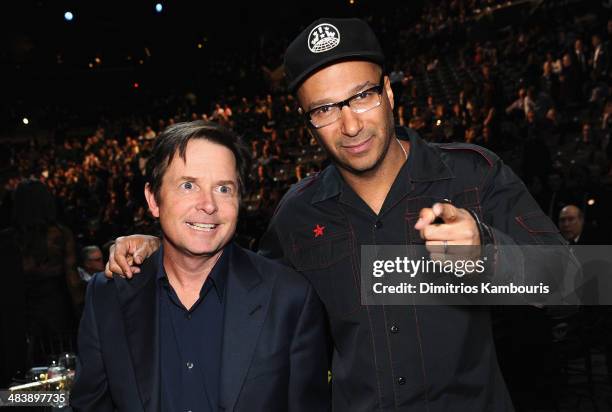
(323, 37)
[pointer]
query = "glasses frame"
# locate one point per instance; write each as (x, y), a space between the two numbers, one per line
(347, 102)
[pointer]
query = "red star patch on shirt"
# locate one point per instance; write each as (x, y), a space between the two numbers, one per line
(318, 230)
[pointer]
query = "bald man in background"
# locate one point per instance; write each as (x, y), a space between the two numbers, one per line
(573, 229)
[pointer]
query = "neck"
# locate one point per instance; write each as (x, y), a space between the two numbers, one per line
(187, 274)
(374, 186)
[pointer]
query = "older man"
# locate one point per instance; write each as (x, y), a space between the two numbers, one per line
(92, 262)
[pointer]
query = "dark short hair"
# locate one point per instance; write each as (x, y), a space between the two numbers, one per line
(174, 139)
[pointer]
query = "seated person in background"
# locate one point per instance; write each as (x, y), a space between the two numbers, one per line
(92, 262)
(572, 227)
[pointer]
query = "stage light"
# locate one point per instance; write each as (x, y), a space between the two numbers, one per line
(136, 85)
(591, 202)
(159, 7)
(68, 16)
(97, 60)
(199, 45)
(25, 121)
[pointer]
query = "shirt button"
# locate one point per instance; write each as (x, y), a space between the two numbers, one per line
(188, 316)
(189, 365)
(378, 224)
(401, 380)
(394, 329)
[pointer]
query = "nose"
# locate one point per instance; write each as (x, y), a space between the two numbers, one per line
(351, 123)
(206, 202)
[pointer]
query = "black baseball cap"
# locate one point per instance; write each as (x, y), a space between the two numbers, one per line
(327, 41)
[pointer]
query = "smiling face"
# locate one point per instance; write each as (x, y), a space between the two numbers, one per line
(357, 143)
(198, 201)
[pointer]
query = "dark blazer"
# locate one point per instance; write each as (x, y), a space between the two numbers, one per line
(275, 346)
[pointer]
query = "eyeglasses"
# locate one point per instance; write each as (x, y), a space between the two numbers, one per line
(360, 103)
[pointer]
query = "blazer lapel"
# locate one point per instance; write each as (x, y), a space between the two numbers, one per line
(140, 310)
(245, 311)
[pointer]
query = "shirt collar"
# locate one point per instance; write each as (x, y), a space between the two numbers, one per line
(218, 274)
(424, 165)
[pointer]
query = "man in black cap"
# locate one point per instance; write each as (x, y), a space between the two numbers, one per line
(382, 189)
(385, 186)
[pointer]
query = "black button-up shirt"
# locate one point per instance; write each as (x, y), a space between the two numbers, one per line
(404, 358)
(191, 343)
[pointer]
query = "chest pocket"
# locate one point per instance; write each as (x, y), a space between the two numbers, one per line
(413, 208)
(467, 199)
(329, 264)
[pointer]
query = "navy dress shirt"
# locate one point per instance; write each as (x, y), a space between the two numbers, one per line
(191, 342)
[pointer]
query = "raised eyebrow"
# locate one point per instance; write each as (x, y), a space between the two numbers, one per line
(353, 91)
(226, 183)
(220, 182)
(189, 178)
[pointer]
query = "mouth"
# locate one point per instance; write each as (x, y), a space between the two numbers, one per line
(202, 227)
(359, 148)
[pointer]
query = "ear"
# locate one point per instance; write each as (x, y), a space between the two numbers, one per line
(389, 91)
(313, 133)
(150, 196)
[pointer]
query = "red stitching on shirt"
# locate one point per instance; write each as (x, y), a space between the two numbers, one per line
(475, 149)
(315, 178)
